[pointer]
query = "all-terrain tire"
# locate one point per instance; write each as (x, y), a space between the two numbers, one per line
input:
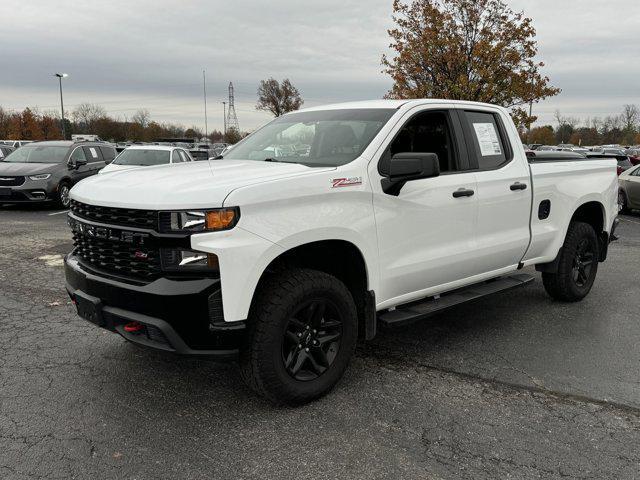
(262, 361)
(577, 265)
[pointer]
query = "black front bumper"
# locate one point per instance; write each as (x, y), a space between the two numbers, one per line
(183, 316)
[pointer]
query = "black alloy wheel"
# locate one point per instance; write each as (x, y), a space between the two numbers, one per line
(312, 339)
(583, 262)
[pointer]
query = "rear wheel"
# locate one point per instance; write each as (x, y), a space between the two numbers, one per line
(577, 265)
(623, 204)
(302, 334)
(64, 200)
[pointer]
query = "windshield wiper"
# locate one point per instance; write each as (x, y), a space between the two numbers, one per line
(277, 160)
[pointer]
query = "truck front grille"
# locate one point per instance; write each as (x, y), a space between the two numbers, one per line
(129, 217)
(142, 262)
(11, 181)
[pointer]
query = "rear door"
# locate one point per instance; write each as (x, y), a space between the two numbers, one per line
(95, 161)
(108, 154)
(504, 190)
(426, 235)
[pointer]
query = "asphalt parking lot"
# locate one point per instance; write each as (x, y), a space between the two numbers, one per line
(511, 386)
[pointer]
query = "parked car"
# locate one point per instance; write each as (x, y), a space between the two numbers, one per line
(201, 151)
(46, 171)
(146, 156)
(16, 143)
(218, 148)
(634, 155)
(5, 150)
(629, 194)
(623, 162)
(398, 210)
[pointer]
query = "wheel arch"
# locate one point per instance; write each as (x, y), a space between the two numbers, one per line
(339, 258)
(593, 213)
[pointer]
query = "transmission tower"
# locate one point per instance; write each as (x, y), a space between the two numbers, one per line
(232, 118)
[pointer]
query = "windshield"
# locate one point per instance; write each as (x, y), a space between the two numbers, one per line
(317, 139)
(38, 154)
(142, 157)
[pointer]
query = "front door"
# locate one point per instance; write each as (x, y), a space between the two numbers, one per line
(426, 234)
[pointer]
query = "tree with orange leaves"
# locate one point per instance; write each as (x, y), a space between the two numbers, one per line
(478, 50)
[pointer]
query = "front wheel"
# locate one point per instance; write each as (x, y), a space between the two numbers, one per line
(302, 333)
(577, 265)
(64, 199)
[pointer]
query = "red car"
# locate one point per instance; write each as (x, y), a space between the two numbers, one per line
(634, 155)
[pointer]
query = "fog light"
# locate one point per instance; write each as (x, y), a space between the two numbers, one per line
(183, 260)
(38, 194)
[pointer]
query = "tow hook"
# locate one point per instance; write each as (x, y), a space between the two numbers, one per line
(133, 327)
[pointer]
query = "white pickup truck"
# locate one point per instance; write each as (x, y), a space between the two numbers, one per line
(327, 223)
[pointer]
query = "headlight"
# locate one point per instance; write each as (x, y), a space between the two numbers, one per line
(183, 260)
(40, 176)
(193, 221)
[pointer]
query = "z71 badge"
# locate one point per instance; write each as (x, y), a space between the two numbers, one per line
(346, 182)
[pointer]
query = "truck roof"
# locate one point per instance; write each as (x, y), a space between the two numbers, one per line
(394, 104)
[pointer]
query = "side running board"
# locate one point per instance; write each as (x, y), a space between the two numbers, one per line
(415, 311)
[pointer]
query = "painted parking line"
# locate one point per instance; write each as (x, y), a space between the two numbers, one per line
(58, 213)
(629, 220)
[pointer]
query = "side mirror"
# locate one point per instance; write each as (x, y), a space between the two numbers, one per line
(79, 162)
(405, 167)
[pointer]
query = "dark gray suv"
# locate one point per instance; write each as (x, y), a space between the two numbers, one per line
(46, 171)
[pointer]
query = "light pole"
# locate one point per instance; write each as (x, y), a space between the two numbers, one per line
(60, 77)
(224, 117)
(204, 88)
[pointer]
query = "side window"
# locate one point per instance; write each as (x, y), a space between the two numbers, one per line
(489, 145)
(427, 132)
(92, 154)
(185, 157)
(175, 157)
(78, 154)
(636, 172)
(109, 153)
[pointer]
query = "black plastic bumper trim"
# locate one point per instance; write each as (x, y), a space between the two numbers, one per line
(177, 309)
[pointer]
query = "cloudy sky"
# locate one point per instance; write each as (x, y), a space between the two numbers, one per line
(150, 54)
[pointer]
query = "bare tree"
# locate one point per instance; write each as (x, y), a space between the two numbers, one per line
(278, 98)
(566, 126)
(86, 114)
(142, 117)
(630, 117)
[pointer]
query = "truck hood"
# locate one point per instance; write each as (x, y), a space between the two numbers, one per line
(112, 167)
(20, 169)
(202, 184)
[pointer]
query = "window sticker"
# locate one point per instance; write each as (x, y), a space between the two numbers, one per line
(94, 154)
(488, 139)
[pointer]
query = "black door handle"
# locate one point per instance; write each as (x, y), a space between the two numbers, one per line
(463, 192)
(518, 186)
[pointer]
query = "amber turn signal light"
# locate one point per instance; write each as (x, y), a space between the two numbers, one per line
(221, 219)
